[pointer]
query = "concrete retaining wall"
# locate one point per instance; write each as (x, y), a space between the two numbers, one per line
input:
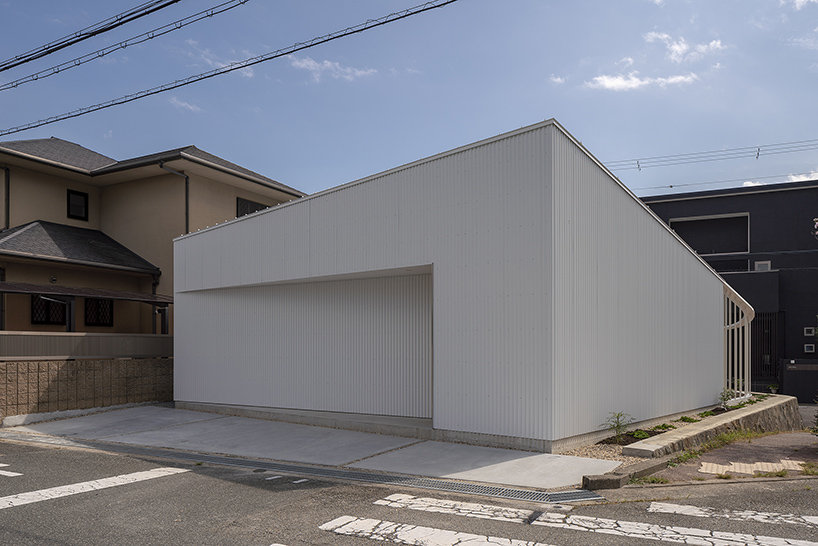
(49, 386)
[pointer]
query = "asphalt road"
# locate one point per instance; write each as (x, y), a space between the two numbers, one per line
(67, 496)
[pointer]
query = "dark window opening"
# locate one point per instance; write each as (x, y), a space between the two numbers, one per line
(726, 235)
(99, 312)
(46, 311)
(245, 206)
(77, 205)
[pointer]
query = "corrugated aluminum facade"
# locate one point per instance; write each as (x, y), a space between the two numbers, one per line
(638, 319)
(557, 297)
(356, 346)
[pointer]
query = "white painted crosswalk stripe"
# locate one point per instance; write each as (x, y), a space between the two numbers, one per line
(631, 529)
(94, 485)
(414, 535)
(8, 473)
(741, 515)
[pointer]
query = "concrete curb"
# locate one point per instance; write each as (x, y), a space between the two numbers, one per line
(778, 413)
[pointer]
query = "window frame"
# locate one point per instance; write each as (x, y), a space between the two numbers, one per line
(683, 219)
(47, 311)
(84, 196)
(97, 322)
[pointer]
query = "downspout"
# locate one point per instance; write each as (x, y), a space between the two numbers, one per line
(153, 307)
(187, 193)
(7, 186)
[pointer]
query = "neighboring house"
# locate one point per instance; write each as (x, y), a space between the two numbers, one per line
(76, 221)
(764, 241)
(86, 267)
(510, 292)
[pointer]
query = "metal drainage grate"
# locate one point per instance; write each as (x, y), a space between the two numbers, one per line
(324, 472)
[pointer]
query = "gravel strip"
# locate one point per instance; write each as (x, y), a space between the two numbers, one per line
(603, 451)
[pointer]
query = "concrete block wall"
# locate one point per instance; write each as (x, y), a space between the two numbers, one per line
(47, 386)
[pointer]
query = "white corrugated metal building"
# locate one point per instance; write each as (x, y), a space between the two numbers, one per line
(509, 292)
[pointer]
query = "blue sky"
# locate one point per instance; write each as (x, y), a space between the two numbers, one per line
(630, 79)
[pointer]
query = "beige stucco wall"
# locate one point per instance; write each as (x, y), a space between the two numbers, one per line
(38, 196)
(144, 215)
(126, 313)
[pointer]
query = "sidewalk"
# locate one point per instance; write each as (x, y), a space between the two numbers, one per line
(243, 437)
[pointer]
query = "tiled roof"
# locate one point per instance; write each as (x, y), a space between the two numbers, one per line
(79, 158)
(59, 151)
(50, 241)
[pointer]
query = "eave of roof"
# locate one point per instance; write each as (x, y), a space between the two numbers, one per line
(52, 242)
(744, 190)
(54, 290)
(73, 157)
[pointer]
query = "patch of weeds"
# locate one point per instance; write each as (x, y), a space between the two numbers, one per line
(725, 396)
(663, 426)
(707, 413)
(617, 423)
(683, 457)
(773, 474)
(640, 434)
(688, 419)
(809, 469)
(730, 437)
(724, 476)
(761, 397)
(649, 479)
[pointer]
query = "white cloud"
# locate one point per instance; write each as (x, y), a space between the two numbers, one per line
(213, 61)
(751, 183)
(680, 51)
(184, 105)
(657, 2)
(557, 80)
(108, 134)
(626, 62)
(331, 68)
(633, 81)
(805, 43)
(802, 177)
(801, 3)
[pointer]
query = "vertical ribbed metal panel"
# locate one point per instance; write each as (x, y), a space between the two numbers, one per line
(359, 346)
(557, 297)
(637, 317)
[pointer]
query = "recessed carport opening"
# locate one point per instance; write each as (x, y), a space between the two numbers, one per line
(355, 344)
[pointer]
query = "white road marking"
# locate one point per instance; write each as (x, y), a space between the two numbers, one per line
(746, 468)
(301, 481)
(632, 529)
(74, 489)
(273, 477)
(414, 535)
(9, 474)
(649, 531)
(743, 515)
(468, 509)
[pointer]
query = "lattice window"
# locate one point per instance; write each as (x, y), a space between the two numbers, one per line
(99, 312)
(46, 311)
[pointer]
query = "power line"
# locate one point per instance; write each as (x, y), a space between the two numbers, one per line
(88, 32)
(747, 152)
(734, 180)
(371, 23)
(176, 25)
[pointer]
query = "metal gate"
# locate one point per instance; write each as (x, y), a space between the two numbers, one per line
(764, 351)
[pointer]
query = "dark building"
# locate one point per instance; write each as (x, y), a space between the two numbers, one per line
(764, 241)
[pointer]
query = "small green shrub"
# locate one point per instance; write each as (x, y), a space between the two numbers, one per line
(688, 419)
(617, 423)
(707, 413)
(725, 396)
(663, 426)
(640, 434)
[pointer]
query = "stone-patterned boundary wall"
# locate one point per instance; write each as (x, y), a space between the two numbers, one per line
(47, 386)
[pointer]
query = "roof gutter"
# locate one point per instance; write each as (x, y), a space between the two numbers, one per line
(214, 166)
(187, 193)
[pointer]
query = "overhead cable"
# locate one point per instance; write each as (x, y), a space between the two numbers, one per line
(371, 23)
(89, 32)
(747, 152)
(753, 180)
(176, 25)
